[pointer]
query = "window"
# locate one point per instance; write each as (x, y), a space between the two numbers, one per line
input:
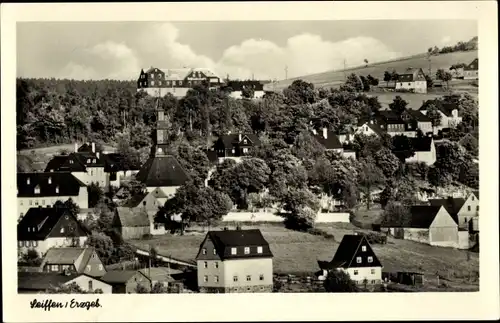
(50, 182)
(215, 251)
(168, 82)
(477, 208)
(152, 76)
(363, 248)
(261, 277)
(249, 278)
(370, 259)
(89, 267)
(152, 83)
(355, 272)
(216, 264)
(88, 161)
(21, 202)
(37, 190)
(36, 202)
(204, 251)
(100, 267)
(465, 220)
(55, 267)
(259, 249)
(205, 264)
(233, 251)
(468, 208)
(247, 250)
(409, 84)
(473, 197)
(20, 243)
(233, 151)
(235, 278)
(159, 82)
(90, 285)
(205, 278)
(216, 279)
(62, 230)
(358, 260)
(57, 189)
(244, 141)
(93, 161)
(91, 172)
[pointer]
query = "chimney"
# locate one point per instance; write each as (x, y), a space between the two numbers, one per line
(239, 137)
(325, 133)
(93, 147)
(76, 147)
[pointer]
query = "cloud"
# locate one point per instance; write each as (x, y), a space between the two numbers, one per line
(446, 40)
(159, 45)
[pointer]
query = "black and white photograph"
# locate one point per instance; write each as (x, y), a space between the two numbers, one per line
(247, 156)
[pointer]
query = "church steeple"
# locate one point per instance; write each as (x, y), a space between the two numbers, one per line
(160, 138)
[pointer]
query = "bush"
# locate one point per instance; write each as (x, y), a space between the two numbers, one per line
(319, 232)
(147, 236)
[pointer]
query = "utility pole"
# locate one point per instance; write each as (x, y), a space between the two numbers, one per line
(286, 72)
(345, 77)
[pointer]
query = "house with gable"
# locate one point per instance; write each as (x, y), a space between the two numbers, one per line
(449, 115)
(73, 260)
(412, 79)
(126, 281)
(233, 146)
(44, 228)
(235, 261)
(464, 210)
(427, 224)
(420, 120)
(471, 71)
(356, 257)
(132, 223)
(368, 128)
(331, 142)
(394, 124)
(40, 282)
(425, 151)
(45, 189)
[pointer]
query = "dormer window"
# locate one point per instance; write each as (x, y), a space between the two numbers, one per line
(204, 251)
(94, 161)
(259, 249)
(57, 189)
(88, 161)
(363, 248)
(50, 180)
(215, 252)
(28, 181)
(37, 189)
(71, 161)
(233, 251)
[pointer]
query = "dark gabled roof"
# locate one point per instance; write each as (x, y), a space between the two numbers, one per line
(231, 140)
(330, 142)
(61, 163)
(42, 281)
(346, 252)
(132, 218)
(389, 117)
(161, 171)
(452, 205)
(421, 217)
(120, 276)
(88, 158)
(476, 193)
(68, 184)
(418, 116)
(239, 85)
(422, 143)
(115, 162)
(226, 239)
(135, 200)
(39, 222)
(374, 126)
(409, 75)
(473, 66)
(87, 147)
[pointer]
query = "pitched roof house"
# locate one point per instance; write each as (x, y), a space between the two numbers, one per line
(235, 261)
(427, 224)
(356, 257)
(164, 172)
(412, 79)
(44, 189)
(425, 150)
(131, 223)
(471, 71)
(234, 146)
(40, 282)
(73, 260)
(329, 140)
(126, 281)
(44, 228)
(465, 212)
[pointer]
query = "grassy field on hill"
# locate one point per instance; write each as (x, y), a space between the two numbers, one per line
(335, 78)
(298, 253)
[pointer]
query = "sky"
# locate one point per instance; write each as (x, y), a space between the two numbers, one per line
(240, 49)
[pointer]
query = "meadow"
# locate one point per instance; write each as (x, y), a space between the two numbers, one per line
(298, 252)
(335, 78)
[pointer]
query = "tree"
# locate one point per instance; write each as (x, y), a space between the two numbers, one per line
(307, 147)
(394, 76)
(444, 76)
(471, 144)
(95, 193)
(132, 188)
(396, 214)
(105, 218)
(102, 244)
(301, 206)
(366, 83)
(435, 116)
(402, 147)
(72, 288)
(401, 190)
(386, 161)
(387, 77)
(398, 105)
(355, 82)
(160, 288)
(31, 258)
(451, 157)
(429, 81)
(369, 177)
(247, 92)
(338, 281)
(366, 62)
(141, 289)
(300, 92)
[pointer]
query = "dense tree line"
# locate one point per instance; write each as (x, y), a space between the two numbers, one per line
(461, 46)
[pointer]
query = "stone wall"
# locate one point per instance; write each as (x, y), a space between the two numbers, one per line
(240, 289)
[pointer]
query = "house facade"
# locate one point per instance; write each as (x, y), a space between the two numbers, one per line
(396, 125)
(40, 282)
(355, 257)
(44, 228)
(73, 260)
(471, 71)
(235, 261)
(465, 211)
(425, 151)
(177, 82)
(449, 116)
(45, 189)
(234, 146)
(412, 79)
(126, 281)
(431, 225)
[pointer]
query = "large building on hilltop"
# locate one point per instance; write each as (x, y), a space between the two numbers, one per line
(160, 81)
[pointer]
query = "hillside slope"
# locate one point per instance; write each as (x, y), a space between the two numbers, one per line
(335, 78)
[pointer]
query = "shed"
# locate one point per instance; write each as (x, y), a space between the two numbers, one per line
(132, 224)
(410, 278)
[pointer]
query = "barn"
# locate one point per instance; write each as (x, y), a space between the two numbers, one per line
(131, 223)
